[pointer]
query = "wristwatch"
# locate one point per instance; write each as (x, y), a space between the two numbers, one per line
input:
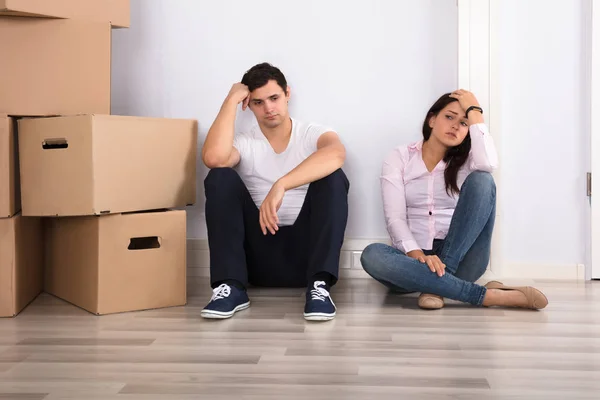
(473, 108)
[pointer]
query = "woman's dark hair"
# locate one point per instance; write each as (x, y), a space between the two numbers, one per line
(260, 74)
(456, 156)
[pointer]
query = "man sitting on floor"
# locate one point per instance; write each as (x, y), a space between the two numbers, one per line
(276, 200)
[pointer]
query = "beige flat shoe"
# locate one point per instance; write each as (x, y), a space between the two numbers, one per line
(494, 285)
(536, 300)
(430, 301)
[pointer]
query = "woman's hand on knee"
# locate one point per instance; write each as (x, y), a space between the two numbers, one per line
(435, 265)
(433, 262)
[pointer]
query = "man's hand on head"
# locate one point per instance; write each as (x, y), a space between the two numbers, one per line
(239, 93)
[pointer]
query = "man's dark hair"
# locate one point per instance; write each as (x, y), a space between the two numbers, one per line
(259, 75)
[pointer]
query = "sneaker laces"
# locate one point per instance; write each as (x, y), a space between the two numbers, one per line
(319, 293)
(221, 292)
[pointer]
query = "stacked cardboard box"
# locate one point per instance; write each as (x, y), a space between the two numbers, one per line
(90, 211)
(21, 256)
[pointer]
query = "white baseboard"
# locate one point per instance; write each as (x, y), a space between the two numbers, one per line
(545, 271)
(198, 263)
(348, 245)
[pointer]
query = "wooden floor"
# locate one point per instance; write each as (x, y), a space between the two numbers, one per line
(380, 346)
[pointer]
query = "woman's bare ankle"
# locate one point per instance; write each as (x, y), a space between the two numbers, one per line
(490, 298)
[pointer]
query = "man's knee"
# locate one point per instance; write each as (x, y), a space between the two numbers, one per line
(222, 180)
(221, 174)
(336, 181)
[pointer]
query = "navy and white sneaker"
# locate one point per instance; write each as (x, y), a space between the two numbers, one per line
(225, 301)
(319, 306)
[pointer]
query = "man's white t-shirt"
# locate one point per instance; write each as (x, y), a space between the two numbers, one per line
(260, 167)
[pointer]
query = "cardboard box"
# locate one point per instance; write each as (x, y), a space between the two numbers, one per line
(21, 263)
(106, 164)
(116, 12)
(118, 263)
(10, 193)
(54, 66)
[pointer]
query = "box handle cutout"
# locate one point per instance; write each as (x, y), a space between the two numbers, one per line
(51, 144)
(144, 243)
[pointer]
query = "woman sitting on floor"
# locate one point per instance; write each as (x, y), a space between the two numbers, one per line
(439, 200)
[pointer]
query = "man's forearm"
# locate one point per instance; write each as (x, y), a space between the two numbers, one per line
(219, 140)
(318, 165)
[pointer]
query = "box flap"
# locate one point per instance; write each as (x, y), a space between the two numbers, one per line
(6, 153)
(7, 264)
(29, 259)
(10, 193)
(72, 270)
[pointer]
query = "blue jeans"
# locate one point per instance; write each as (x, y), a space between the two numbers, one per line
(465, 250)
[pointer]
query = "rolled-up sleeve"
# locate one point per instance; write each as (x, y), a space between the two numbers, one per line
(483, 155)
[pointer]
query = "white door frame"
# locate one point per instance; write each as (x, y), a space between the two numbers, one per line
(595, 137)
(478, 73)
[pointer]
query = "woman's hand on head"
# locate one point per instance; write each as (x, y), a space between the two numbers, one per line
(465, 98)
